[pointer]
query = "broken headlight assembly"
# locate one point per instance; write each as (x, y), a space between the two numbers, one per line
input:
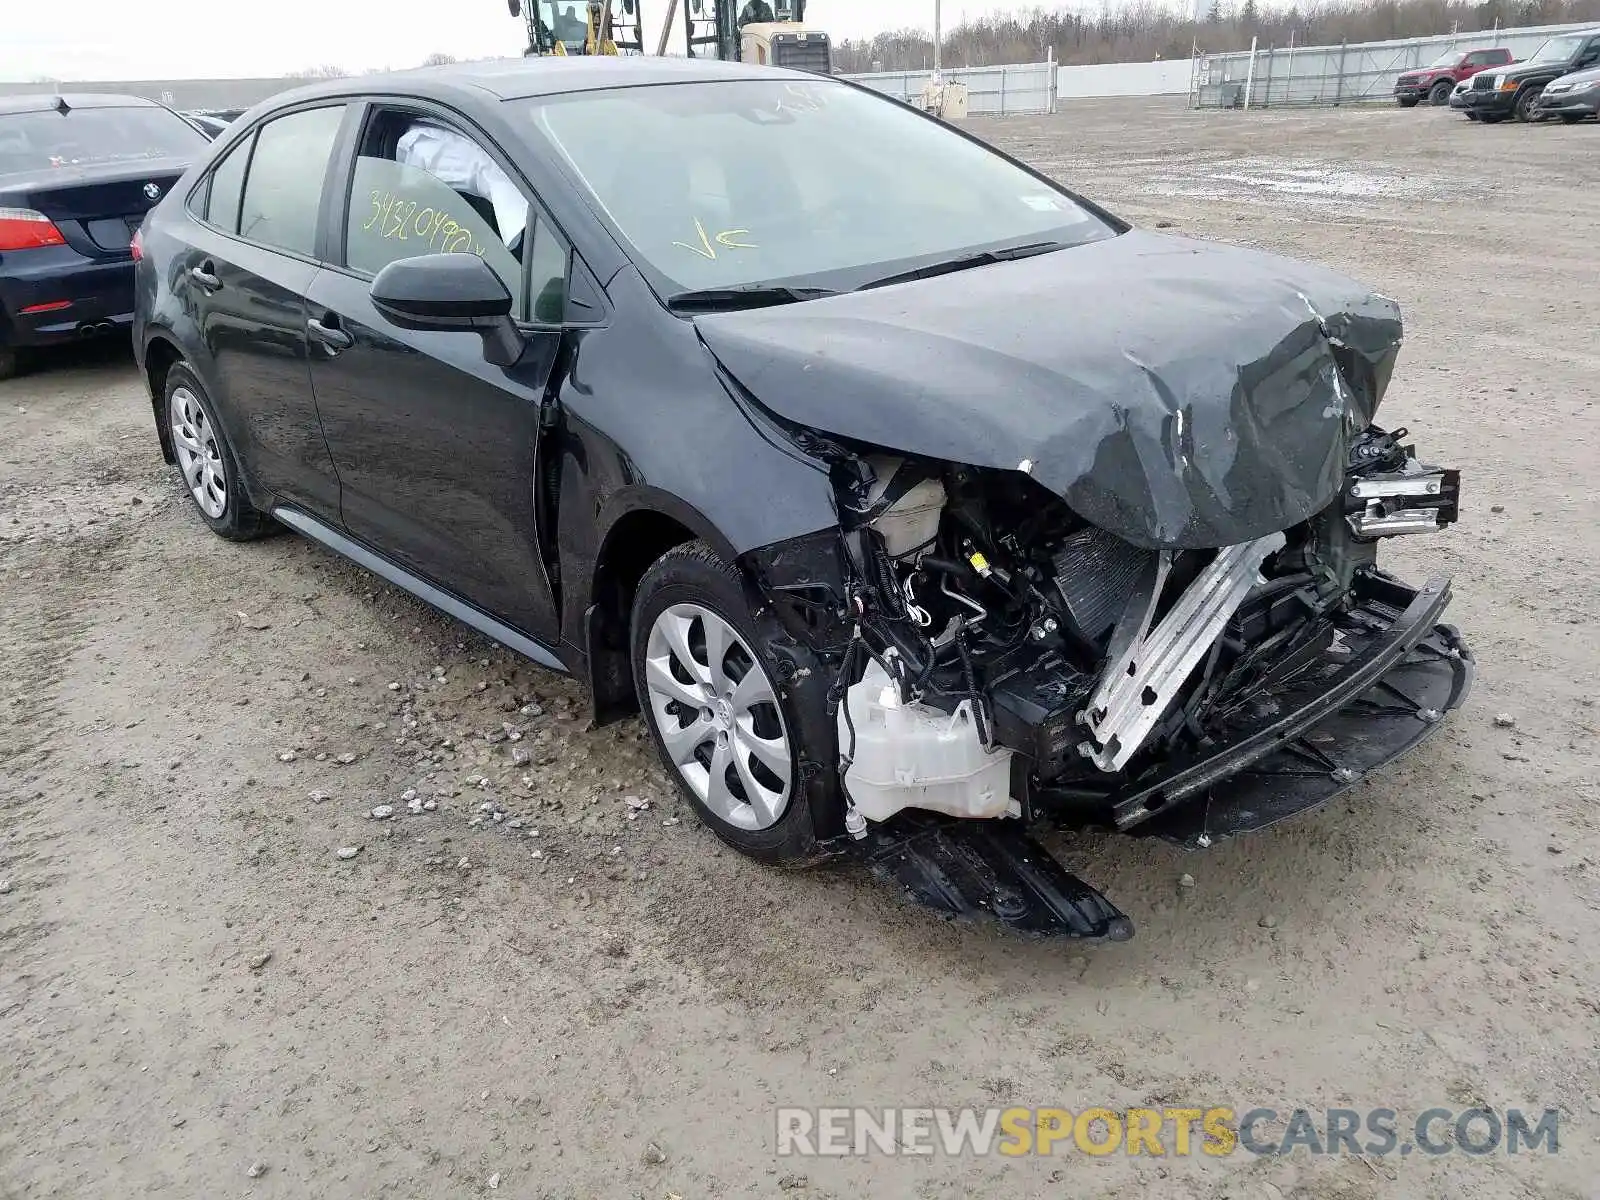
(1388, 492)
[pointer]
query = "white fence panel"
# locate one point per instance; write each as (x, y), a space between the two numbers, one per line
(1166, 78)
(1351, 74)
(992, 91)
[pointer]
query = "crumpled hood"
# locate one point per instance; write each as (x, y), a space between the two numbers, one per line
(1177, 393)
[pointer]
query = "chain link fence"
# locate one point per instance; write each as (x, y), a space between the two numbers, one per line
(1345, 74)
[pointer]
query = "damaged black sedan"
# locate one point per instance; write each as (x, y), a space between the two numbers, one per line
(913, 499)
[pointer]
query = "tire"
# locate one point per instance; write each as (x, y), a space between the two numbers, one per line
(10, 362)
(687, 588)
(1409, 102)
(1472, 116)
(1525, 103)
(1570, 118)
(191, 421)
(1490, 118)
(1440, 92)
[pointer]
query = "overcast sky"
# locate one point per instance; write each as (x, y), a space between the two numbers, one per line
(204, 39)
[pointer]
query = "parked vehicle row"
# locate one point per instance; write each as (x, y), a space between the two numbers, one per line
(1560, 80)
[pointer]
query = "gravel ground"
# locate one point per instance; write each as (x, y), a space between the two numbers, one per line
(223, 976)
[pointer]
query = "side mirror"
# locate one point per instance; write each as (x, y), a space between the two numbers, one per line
(450, 293)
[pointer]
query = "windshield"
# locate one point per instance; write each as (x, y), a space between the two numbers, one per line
(1557, 49)
(744, 182)
(38, 141)
(1448, 59)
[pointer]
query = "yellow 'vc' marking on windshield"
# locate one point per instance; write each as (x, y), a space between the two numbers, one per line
(728, 238)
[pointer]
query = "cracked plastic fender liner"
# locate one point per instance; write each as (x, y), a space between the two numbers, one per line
(1178, 394)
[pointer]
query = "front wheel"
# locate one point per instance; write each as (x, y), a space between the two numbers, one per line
(1525, 103)
(1440, 93)
(1407, 102)
(731, 738)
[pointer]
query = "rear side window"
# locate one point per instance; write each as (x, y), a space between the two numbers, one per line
(284, 187)
(227, 186)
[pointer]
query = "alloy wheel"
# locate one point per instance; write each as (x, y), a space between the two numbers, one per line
(718, 717)
(194, 440)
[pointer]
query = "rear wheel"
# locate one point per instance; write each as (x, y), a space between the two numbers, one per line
(1440, 92)
(207, 463)
(1406, 101)
(730, 737)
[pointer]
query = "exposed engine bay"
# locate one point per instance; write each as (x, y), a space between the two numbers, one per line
(987, 616)
(1005, 660)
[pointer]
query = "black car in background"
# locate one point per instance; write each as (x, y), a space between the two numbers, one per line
(773, 408)
(1514, 91)
(1572, 98)
(77, 175)
(212, 121)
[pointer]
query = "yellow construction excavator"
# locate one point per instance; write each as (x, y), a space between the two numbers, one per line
(565, 27)
(771, 32)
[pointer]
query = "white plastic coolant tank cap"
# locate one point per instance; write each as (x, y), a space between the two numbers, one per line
(912, 521)
(914, 756)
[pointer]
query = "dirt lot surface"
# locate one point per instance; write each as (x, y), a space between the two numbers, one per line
(582, 998)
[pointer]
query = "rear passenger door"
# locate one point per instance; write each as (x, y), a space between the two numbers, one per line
(435, 447)
(246, 271)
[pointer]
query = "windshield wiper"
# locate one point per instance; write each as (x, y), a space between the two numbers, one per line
(755, 295)
(983, 258)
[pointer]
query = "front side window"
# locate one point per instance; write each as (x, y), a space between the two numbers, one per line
(284, 188)
(423, 188)
(78, 137)
(1448, 59)
(735, 183)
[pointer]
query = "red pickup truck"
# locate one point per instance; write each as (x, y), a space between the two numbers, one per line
(1438, 79)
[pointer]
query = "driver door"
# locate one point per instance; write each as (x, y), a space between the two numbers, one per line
(435, 447)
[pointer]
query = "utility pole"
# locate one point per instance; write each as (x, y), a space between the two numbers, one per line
(938, 37)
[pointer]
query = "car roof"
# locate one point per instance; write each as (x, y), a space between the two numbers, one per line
(50, 101)
(520, 78)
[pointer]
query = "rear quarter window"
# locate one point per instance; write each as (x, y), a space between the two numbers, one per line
(226, 188)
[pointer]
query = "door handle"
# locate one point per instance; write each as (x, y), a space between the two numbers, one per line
(333, 338)
(205, 278)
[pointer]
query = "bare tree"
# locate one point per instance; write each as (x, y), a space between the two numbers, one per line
(438, 60)
(323, 72)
